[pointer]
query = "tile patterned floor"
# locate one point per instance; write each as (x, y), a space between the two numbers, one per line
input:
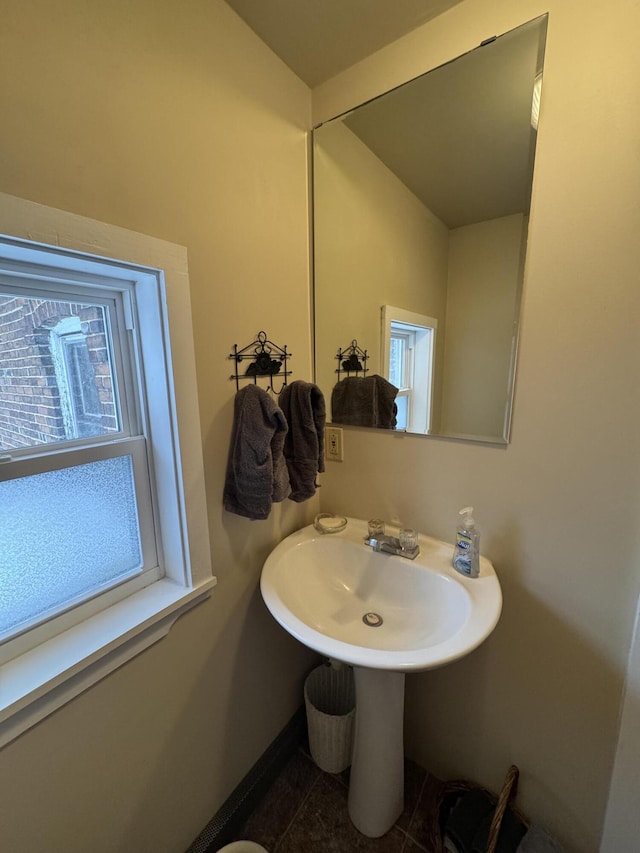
(305, 811)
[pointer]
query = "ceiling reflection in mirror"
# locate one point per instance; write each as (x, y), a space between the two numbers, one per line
(421, 206)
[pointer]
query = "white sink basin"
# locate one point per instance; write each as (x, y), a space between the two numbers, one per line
(320, 586)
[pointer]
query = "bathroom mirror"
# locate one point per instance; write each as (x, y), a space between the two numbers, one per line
(421, 206)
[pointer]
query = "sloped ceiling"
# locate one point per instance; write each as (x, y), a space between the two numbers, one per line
(460, 137)
(319, 38)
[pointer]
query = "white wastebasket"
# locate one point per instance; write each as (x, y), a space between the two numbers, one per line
(330, 700)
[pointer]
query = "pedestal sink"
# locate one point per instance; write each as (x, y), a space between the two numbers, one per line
(386, 616)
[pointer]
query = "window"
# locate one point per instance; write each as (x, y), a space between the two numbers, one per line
(76, 474)
(95, 557)
(402, 346)
(84, 375)
(408, 346)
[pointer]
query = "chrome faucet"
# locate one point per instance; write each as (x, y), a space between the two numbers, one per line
(404, 545)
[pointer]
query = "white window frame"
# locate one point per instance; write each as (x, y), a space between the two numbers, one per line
(44, 670)
(36, 272)
(421, 332)
(405, 388)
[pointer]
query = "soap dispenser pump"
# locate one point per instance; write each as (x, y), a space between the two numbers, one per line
(466, 551)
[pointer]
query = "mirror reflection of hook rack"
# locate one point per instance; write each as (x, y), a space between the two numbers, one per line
(265, 359)
(352, 360)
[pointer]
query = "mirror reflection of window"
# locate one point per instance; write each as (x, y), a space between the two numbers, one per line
(408, 344)
(401, 348)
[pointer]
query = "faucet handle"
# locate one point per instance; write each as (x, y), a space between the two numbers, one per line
(408, 539)
(376, 528)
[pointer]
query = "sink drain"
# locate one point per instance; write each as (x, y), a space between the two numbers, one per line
(373, 620)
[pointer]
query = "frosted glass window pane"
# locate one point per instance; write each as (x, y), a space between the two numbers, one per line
(63, 534)
(56, 377)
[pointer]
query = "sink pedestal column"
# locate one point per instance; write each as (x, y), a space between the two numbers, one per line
(376, 788)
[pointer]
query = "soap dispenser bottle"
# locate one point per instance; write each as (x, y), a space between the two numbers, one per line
(466, 551)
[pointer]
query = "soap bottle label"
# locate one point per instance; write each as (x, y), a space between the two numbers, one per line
(463, 542)
(463, 550)
(463, 563)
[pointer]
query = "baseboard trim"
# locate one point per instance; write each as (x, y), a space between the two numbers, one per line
(225, 825)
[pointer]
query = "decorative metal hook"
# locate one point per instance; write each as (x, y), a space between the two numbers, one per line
(353, 359)
(265, 359)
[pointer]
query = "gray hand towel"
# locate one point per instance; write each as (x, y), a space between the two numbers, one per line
(364, 401)
(304, 408)
(256, 471)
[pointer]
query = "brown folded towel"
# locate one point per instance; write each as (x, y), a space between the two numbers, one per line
(364, 401)
(256, 471)
(304, 408)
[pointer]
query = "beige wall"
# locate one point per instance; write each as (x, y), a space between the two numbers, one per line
(174, 120)
(375, 244)
(559, 507)
(485, 274)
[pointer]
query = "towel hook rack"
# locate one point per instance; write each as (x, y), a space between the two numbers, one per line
(352, 359)
(265, 359)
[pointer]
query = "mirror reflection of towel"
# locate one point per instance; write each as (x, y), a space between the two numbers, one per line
(304, 408)
(256, 470)
(364, 401)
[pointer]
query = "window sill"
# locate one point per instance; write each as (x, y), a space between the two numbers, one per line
(46, 677)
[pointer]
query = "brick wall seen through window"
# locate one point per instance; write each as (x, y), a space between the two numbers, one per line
(55, 372)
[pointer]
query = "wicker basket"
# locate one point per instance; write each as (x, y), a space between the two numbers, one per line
(502, 802)
(330, 700)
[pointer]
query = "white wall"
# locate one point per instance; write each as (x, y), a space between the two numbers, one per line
(185, 127)
(171, 119)
(622, 821)
(485, 274)
(375, 244)
(559, 507)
